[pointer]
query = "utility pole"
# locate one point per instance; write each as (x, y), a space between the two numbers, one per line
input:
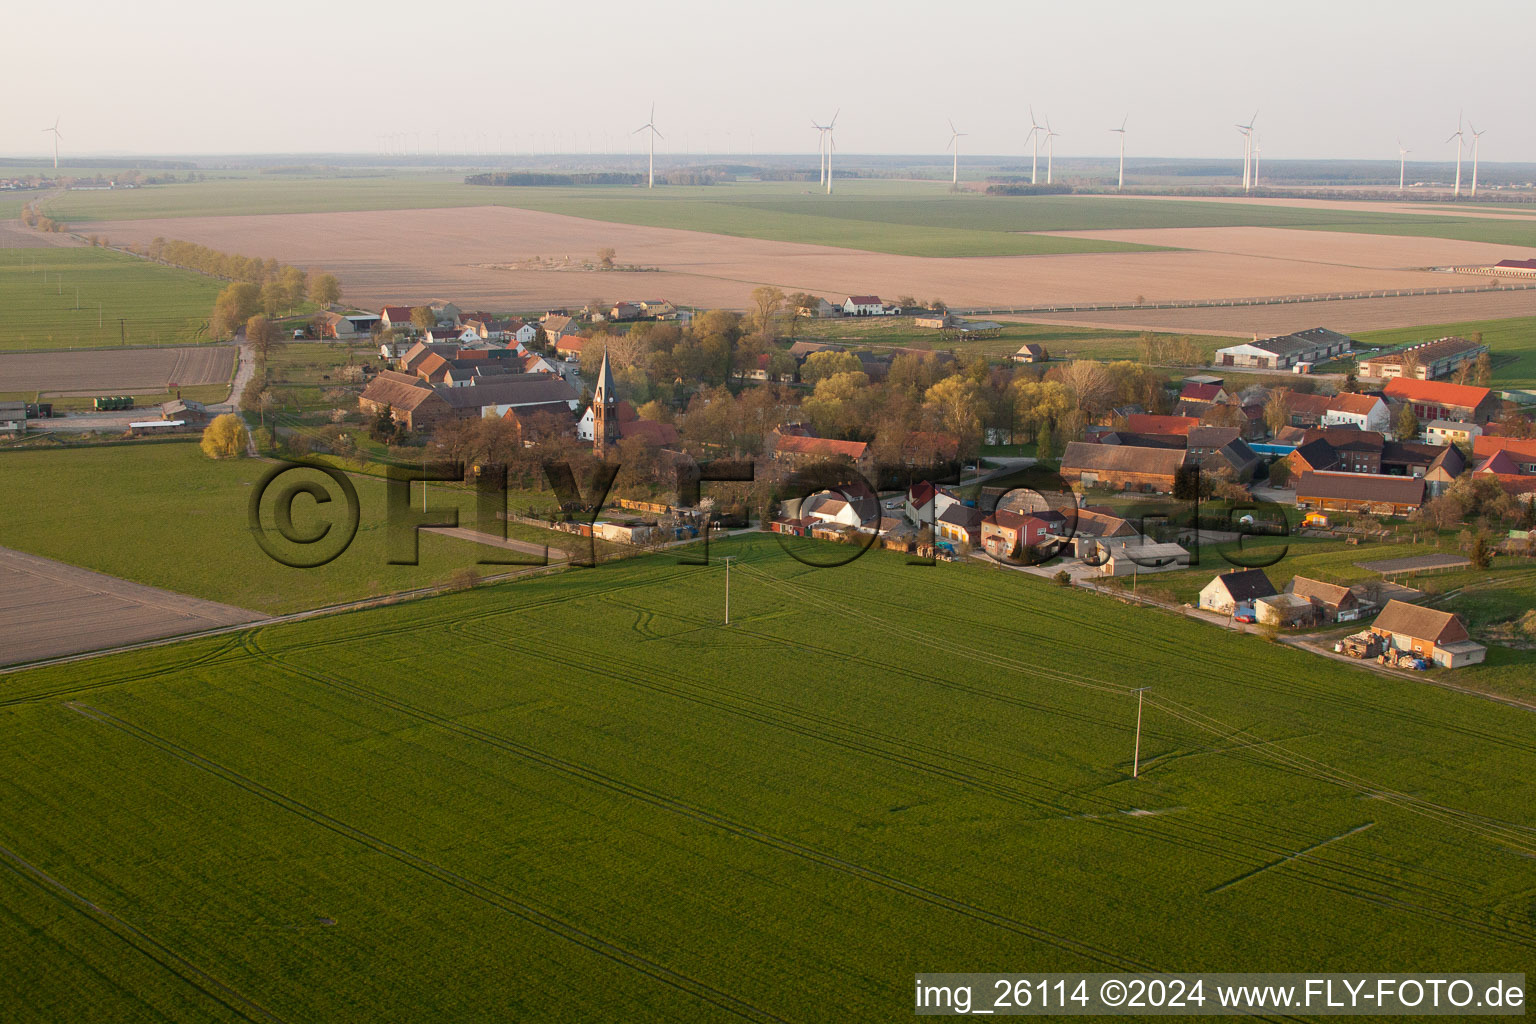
(122, 330)
(1136, 754)
(727, 589)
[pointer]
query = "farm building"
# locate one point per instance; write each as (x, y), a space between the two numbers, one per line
(863, 305)
(1520, 451)
(396, 318)
(926, 502)
(1233, 592)
(797, 451)
(1306, 410)
(411, 400)
(184, 409)
(1031, 353)
(1333, 603)
(821, 309)
(1129, 556)
(1428, 360)
(1439, 636)
(1359, 492)
(1220, 450)
(1363, 412)
(1151, 470)
(1149, 423)
(1317, 345)
(1284, 610)
(1437, 400)
(13, 417)
(1451, 432)
(959, 524)
(935, 321)
(1515, 268)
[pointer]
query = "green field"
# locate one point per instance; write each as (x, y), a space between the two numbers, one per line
(106, 508)
(921, 218)
(582, 798)
(59, 297)
(1514, 337)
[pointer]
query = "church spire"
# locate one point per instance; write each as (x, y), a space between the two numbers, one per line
(605, 413)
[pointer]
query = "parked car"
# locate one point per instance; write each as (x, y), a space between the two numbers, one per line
(1245, 617)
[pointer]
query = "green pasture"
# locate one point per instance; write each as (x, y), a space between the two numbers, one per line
(583, 798)
(168, 516)
(58, 297)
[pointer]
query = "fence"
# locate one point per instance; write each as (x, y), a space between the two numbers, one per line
(1267, 300)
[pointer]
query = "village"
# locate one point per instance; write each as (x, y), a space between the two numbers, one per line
(918, 449)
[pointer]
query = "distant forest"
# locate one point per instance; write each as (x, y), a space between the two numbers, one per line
(553, 179)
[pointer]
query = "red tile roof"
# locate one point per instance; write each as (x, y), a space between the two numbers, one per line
(1356, 405)
(1463, 396)
(1147, 423)
(1485, 446)
(823, 446)
(864, 300)
(1201, 392)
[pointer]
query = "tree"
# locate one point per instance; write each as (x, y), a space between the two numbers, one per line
(225, 438)
(1352, 378)
(1089, 382)
(766, 300)
(324, 289)
(1277, 411)
(236, 304)
(955, 403)
(1483, 372)
(1482, 552)
(1411, 364)
(1045, 445)
(423, 319)
(1406, 424)
(263, 336)
(294, 286)
(274, 298)
(606, 258)
(1280, 473)
(820, 365)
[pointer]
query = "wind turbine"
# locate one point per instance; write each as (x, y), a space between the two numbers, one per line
(1034, 136)
(1476, 135)
(1121, 132)
(56, 137)
(650, 125)
(1050, 149)
(1458, 137)
(1247, 133)
(1402, 164)
(825, 150)
(831, 148)
(1257, 153)
(954, 144)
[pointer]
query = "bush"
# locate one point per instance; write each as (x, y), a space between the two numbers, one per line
(1063, 578)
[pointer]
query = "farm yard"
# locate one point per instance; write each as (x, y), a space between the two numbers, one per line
(577, 768)
(43, 605)
(60, 297)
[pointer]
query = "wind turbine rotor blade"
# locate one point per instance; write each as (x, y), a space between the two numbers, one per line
(656, 133)
(833, 123)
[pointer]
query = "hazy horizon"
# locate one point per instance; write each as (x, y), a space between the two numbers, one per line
(1329, 81)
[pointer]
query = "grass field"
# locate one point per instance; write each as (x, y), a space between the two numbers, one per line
(108, 509)
(566, 799)
(95, 298)
(1514, 337)
(906, 217)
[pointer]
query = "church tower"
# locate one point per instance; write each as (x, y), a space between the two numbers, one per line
(605, 412)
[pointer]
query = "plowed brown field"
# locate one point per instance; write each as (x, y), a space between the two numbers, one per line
(414, 256)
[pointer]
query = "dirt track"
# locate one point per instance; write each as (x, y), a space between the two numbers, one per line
(88, 371)
(49, 609)
(413, 256)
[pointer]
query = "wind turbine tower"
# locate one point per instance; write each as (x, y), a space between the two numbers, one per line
(650, 126)
(831, 148)
(1458, 137)
(1034, 137)
(1402, 164)
(1050, 150)
(1476, 135)
(954, 144)
(56, 137)
(1121, 132)
(1247, 133)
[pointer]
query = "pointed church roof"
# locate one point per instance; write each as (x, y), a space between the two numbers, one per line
(605, 391)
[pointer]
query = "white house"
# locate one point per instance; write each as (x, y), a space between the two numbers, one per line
(926, 503)
(1233, 593)
(523, 332)
(864, 305)
(830, 507)
(462, 335)
(1365, 412)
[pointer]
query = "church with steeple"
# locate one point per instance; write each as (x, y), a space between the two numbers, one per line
(605, 412)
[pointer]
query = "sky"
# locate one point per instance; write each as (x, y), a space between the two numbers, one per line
(1341, 79)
